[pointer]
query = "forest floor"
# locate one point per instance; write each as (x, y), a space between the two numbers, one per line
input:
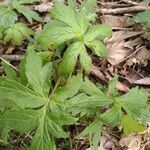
(128, 57)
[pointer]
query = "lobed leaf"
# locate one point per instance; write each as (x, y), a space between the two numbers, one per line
(17, 33)
(21, 95)
(130, 125)
(37, 75)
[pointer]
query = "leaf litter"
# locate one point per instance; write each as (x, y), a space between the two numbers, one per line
(121, 59)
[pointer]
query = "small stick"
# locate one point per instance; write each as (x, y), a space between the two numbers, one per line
(130, 2)
(122, 10)
(12, 57)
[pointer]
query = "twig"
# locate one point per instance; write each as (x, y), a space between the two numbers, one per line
(98, 73)
(120, 86)
(113, 5)
(122, 10)
(130, 2)
(138, 49)
(12, 57)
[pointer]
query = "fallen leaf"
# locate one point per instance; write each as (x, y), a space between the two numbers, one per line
(44, 7)
(144, 81)
(119, 48)
(115, 21)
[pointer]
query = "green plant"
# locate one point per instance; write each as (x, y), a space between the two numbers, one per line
(143, 17)
(76, 30)
(39, 104)
(17, 33)
(124, 110)
(8, 15)
(38, 99)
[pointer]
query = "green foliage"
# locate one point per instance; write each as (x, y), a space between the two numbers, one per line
(123, 110)
(7, 17)
(143, 17)
(40, 99)
(74, 28)
(17, 33)
(38, 110)
(8, 14)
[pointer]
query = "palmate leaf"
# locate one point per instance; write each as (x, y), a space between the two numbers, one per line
(73, 27)
(71, 55)
(17, 33)
(35, 111)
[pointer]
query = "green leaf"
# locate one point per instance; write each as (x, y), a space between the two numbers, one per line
(98, 32)
(70, 89)
(22, 72)
(55, 129)
(17, 33)
(130, 125)
(7, 17)
(37, 75)
(90, 88)
(72, 3)
(83, 104)
(19, 120)
(94, 133)
(113, 116)
(134, 101)
(64, 14)
(42, 139)
(85, 60)
(68, 63)
(64, 119)
(55, 34)
(143, 17)
(112, 86)
(19, 94)
(67, 24)
(98, 48)
(10, 73)
(88, 8)
(145, 116)
(29, 14)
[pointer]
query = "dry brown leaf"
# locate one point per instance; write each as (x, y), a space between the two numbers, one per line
(118, 48)
(115, 21)
(44, 7)
(144, 81)
(136, 142)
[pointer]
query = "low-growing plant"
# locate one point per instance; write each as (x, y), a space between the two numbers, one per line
(40, 100)
(143, 18)
(8, 17)
(74, 27)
